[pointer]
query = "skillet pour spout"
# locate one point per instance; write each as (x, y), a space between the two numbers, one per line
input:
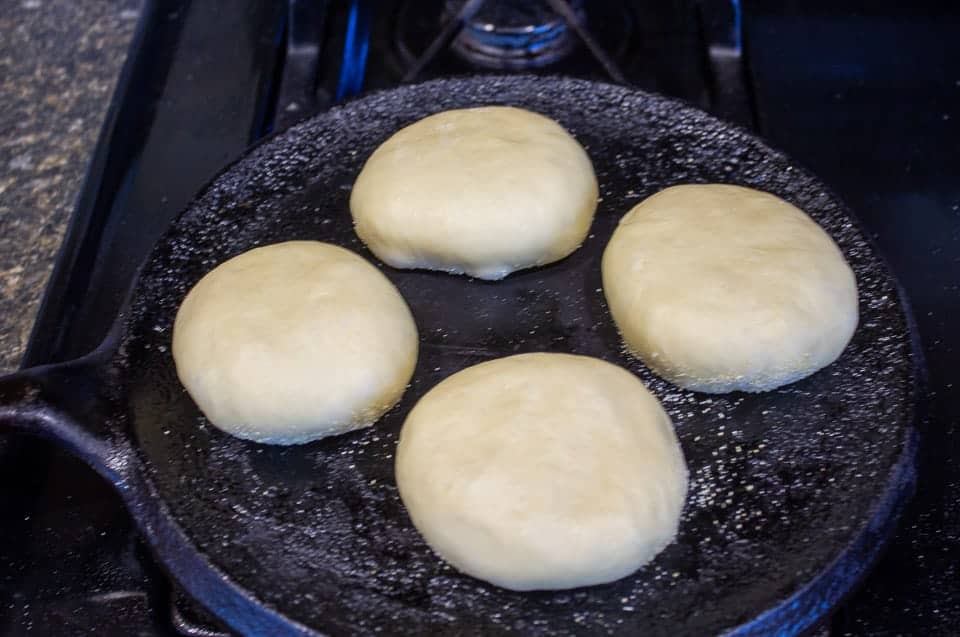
(67, 404)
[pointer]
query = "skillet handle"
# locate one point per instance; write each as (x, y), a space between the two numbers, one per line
(68, 404)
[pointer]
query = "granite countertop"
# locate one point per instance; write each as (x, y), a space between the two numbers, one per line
(59, 62)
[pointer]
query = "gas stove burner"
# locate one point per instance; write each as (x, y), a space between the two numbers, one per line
(515, 35)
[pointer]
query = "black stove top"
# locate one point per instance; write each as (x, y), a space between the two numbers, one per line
(867, 95)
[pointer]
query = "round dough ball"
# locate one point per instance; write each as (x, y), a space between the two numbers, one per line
(542, 471)
(294, 341)
(721, 288)
(482, 191)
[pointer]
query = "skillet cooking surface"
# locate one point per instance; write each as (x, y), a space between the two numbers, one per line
(781, 482)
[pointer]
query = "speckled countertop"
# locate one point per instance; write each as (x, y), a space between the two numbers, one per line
(59, 62)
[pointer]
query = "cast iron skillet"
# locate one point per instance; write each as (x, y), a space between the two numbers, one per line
(791, 490)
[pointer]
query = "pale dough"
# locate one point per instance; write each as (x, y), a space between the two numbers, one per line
(294, 341)
(720, 288)
(542, 471)
(482, 191)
